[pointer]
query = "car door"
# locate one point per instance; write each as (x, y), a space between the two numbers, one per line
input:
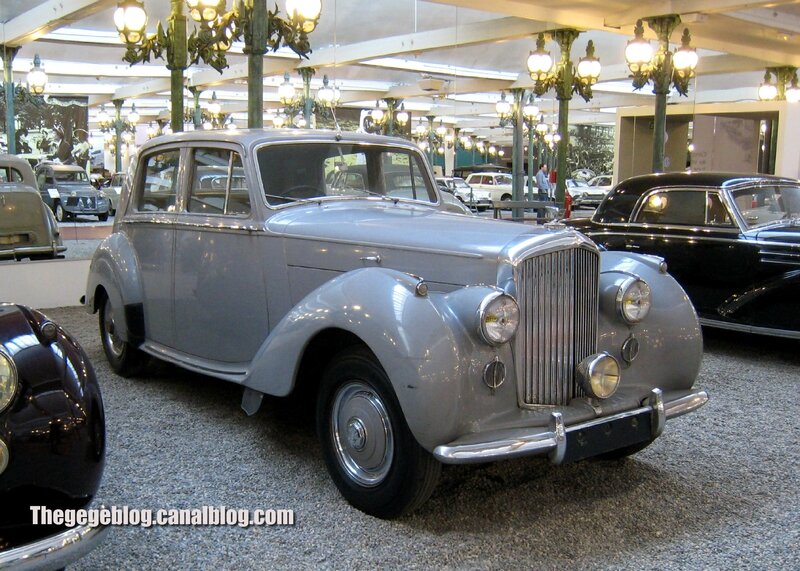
(47, 186)
(693, 230)
(219, 284)
(150, 226)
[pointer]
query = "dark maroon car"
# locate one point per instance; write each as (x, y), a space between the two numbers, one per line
(731, 240)
(52, 440)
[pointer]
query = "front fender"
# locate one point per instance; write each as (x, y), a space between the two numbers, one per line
(670, 338)
(115, 268)
(420, 341)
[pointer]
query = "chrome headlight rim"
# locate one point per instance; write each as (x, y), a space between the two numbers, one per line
(483, 311)
(7, 397)
(624, 289)
(589, 367)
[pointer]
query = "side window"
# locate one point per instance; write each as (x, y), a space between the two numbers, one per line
(488, 180)
(683, 207)
(218, 183)
(41, 179)
(716, 213)
(160, 182)
(402, 177)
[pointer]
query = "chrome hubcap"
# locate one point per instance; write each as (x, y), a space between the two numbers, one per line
(114, 343)
(362, 433)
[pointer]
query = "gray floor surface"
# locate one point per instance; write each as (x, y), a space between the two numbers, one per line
(719, 490)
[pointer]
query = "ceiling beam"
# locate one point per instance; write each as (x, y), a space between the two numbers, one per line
(44, 18)
(501, 29)
(643, 10)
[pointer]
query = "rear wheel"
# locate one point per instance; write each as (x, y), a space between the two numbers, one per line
(102, 217)
(505, 197)
(369, 450)
(124, 358)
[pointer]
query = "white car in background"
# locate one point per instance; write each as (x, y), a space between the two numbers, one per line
(472, 197)
(497, 183)
(595, 192)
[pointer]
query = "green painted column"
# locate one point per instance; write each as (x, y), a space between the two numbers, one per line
(663, 26)
(197, 113)
(255, 64)
(517, 153)
(565, 38)
(118, 134)
(531, 165)
(8, 84)
(307, 73)
(177, 61)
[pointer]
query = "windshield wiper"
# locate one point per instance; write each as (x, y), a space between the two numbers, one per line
(297, 200)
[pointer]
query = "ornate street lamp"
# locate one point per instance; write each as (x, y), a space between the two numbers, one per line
(286, 91)
(784, 88)
(37, 78)
(103, 118)
(402, 116)
(133, 115)
(325, 94)
(262, 30)
(663, 68)
(566, 78)
(503, 108)
(377, 114)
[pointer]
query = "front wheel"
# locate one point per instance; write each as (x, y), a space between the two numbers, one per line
(369, 450)
(61, 214)
(124, 358)
(102, 217)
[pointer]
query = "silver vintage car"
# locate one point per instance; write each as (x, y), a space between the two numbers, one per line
(27, 226)
(425, 337)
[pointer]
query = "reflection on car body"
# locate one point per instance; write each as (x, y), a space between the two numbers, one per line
(422, 337)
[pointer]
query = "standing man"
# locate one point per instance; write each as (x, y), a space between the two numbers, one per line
(543, 186)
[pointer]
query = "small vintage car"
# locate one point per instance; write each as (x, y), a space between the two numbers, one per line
(425, 337)
(731, 240)
(52, 440)
(27, 227)
(476, 198)
(66, 189)
(497, 184)
(593, 193)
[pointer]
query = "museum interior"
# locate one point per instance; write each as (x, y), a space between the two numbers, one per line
(423, 284)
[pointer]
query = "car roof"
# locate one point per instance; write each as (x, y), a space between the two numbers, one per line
(60, 167)
(642, 183)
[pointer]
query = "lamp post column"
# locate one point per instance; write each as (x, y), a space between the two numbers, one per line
(531, 165)
(197, 114)
(8, 83)
(176, 62)
(431, 138)
(118, 135)
(565, 38)
(307, 73)
(662, 77)
(255, 64)
(517, 154)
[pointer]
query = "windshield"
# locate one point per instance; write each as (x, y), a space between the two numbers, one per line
(460, 183)
(317, 170)
(70, 176)
(505, 179)
(767, 204)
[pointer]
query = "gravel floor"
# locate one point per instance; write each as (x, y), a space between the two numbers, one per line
(719, 490)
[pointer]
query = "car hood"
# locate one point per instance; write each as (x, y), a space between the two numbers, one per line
(438, 246)
(788, 232)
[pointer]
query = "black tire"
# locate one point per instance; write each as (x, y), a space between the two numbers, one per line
(102, 217)
(125, 359)
(378, 465)
(505, 197)
(61, 214)
(622, 453)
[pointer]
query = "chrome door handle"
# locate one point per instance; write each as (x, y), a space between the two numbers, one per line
(376, 259)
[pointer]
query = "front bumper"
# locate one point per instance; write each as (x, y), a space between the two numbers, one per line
(571, 443)
(55, 551)
(25, 251)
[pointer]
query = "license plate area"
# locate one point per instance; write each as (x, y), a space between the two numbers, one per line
(607, 436)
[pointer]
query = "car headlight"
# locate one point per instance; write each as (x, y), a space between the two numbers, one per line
(73, 194)
(633, 300)
(599, 375)
(103, 194)
(8, 380)
(498, 315)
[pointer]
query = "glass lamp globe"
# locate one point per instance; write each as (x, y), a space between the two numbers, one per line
(130, 20)
(286, 92)
(37, 78)
(205, 11)
(304, 13)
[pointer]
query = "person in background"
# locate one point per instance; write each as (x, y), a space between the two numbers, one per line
(543, 182)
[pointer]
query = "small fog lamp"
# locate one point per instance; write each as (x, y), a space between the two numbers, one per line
(599, 375)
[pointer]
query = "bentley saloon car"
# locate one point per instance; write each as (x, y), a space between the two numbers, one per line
(731, 240)
(52, 440)
(27, 227)
(424, 337)
(66, 189)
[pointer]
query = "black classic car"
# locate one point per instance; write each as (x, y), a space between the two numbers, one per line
(731, 240)
(52, 441)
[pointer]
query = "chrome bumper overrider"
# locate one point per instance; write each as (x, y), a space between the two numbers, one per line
(553, 439)
(55, 551)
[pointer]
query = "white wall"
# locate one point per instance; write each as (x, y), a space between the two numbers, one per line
(40, 284)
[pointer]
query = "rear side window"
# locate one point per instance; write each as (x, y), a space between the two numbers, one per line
(683, 207)
(160, 182)
(10, 174)
(218, 183)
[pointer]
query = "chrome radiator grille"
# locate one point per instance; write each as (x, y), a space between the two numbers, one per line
(558, 296)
